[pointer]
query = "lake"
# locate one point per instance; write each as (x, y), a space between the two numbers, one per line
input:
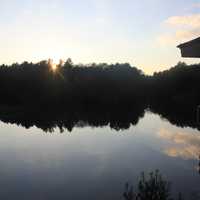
(95, 162)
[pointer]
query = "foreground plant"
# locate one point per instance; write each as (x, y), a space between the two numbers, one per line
(151, 187)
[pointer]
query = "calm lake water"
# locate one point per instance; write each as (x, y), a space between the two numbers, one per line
(95, 163)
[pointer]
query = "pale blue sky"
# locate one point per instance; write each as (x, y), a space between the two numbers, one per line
(142, 32)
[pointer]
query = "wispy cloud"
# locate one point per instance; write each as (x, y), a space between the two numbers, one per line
(182, 27)
(190, 21)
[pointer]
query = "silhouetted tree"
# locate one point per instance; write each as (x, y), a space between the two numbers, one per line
(152, 187)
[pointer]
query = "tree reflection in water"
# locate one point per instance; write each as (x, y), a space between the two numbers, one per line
(118, 117)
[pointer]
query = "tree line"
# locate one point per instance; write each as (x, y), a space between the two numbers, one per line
(104, 85)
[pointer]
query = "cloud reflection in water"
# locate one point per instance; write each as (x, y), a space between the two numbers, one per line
(183, 144)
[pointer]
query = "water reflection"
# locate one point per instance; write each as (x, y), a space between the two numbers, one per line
(118, 118)
(183, 144)
(179, 115)
(66, 166)
(48, 121)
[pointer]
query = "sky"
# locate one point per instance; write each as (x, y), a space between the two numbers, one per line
(144, 33)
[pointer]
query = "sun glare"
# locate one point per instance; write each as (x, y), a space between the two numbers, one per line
(54, 66)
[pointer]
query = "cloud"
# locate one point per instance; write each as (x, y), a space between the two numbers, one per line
(196, 5)
(179, 36)
(184, 145)
(192, 21)
(183, 28)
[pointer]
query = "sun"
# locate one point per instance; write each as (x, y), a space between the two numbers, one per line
(53, 66)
